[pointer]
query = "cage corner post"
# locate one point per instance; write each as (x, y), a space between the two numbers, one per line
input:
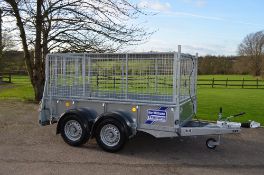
(126, 76)
(176, 87)
(178, 75)
(83, 73)
(195, 81)
(46, 75)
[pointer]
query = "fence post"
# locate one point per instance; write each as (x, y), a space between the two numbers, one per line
(257, 83)
(114, 82)
(243, 81)
(213, 83)
(148, 83)
(9, 78)
(97, 81)
(226, 81)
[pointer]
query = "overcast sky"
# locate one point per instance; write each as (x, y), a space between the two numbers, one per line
(203, 26)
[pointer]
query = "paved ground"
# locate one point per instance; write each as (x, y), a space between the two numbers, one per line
(27, 148)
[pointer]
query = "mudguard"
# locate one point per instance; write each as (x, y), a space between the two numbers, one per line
(123, 117)
(87, 117)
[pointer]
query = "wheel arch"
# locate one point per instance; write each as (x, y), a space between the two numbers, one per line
(123, 117)
(86, 116)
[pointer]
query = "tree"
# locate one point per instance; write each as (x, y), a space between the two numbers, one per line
(253, 47)
(215, 64)
(7, 45)
(5, 42)
(1, 44)
(74, 25)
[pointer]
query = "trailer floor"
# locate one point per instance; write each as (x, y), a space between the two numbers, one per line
(27, 148)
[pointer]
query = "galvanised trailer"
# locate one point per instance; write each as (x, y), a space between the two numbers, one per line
(112, 96)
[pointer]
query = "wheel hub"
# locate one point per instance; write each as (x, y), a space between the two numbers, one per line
(110, 135)
(73, 130)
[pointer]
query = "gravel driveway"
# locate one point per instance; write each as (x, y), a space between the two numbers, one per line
(27, 148)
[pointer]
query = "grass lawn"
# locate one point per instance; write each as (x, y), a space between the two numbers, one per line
(233, 100)
(19, 89)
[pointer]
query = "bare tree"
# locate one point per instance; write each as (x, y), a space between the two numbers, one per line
(73, 25)
(253, 47)
(6, 45)
(7, 42)
(1, 41)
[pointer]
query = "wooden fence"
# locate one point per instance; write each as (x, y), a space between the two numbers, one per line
(6, 77)
(257, 83)
(242, 83)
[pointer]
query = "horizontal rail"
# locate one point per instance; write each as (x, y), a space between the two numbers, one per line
(257, 83)
(228, 80)
(211, 82)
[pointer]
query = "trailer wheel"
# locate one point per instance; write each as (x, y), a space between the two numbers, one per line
(110, 135)
(73, 132)
(210, 143)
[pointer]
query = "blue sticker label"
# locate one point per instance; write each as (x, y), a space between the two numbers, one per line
(157, 115)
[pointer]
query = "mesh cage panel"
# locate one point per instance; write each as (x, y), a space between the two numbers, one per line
(140, 77)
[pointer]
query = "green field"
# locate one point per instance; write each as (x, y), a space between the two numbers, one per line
(233, 100)
(19, 89)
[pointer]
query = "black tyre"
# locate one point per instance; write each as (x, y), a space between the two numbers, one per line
(110, 135)
(210, 143)
(73, 131)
